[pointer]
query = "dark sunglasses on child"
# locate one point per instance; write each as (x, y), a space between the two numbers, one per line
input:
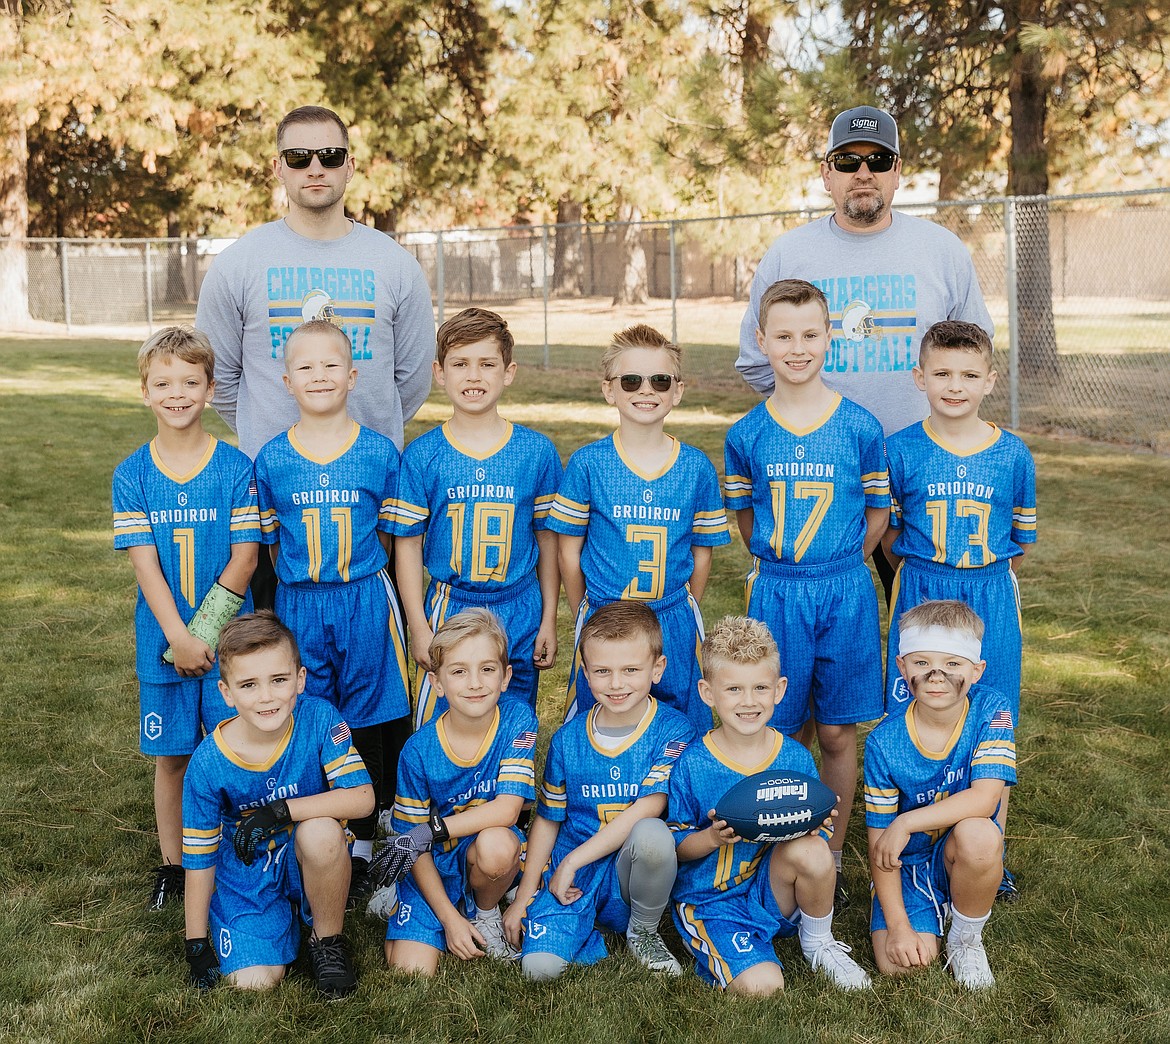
(299, 159)
(850, 162)
(632, 382)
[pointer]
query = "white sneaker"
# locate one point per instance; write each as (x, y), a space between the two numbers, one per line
(832, 958)
(967, 960)
(385, 821)
(490, 925)
(647, 946)
(382, 902)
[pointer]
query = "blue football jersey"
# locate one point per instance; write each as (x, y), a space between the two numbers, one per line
(192, 521)
(901, 775)
(963, 508)
(479, 512)
(701, 777)
(808, 488)
(429, 771)
(316, 755)
(638, 528)
(326, 514)
(586, 785)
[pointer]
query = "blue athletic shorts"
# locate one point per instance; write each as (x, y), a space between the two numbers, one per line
(174, 717)
(992, 592)
(682, 639)
(518, 610)
(825, 621)
(254, 908)
(728, 934)
(412, 918)
(352, 644)
(571, 932)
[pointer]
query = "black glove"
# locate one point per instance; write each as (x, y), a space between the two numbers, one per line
(399, 853)
(202, 963)
(265, 823)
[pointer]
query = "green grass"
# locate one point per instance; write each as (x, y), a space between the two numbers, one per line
(1084, 956)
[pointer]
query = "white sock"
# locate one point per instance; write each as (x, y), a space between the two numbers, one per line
(363, 850)
(814, 931)
(488, 913)
(963, 925)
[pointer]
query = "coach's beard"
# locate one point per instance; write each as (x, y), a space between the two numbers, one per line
(866, 209)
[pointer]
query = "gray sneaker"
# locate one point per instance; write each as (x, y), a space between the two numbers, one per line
(832, 958)
(647, 946)
(967, 960)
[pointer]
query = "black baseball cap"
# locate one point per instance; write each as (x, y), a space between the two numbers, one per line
(863, 123)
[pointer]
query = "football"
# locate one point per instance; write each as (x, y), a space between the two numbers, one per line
(776, 806)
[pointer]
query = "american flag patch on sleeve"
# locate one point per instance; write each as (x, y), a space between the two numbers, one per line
(525, 741)
(252, 490)
(1002, 720)
(340, 734)
(674, 748)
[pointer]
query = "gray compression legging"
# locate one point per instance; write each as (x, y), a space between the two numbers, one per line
(646, 866)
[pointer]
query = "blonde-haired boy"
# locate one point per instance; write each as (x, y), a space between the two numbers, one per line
(934, 779)
(734, 897)
(637, 515)
(185, 511)
(463, 780)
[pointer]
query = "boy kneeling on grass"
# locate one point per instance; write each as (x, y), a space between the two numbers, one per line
(263, 803)
(463, 780)
(934, 779)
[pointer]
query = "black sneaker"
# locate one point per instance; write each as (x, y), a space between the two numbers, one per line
(840, 896)
(361, 887)
(1009, 890)
(168, 886)
(331, 967)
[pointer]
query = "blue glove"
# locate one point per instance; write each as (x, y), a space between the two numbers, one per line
(261, 825)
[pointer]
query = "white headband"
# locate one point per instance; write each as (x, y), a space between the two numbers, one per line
(939, 639)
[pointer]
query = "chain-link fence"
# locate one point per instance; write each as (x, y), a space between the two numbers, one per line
(1078, 286)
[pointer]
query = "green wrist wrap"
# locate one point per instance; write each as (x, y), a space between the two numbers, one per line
(218, 606)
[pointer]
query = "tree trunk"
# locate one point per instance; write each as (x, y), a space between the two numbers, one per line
(568, 250)
(177, 292)
(1028, 176)
(13, 183)
(633, 284)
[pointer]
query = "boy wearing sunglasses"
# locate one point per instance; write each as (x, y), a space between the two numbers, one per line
(807, 478)
(637, 515)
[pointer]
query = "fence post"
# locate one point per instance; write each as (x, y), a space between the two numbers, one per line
(544, 285)
(149, 288)
(1009, 254)
(65, 296)
(440, 274)
(673, 288)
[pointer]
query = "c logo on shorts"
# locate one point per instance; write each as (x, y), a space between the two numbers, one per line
(536, 929)
(403, 913)
(742, 941)
(225, 942)
(152, 726)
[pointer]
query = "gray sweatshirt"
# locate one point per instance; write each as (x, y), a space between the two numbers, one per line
(263, 286)
(884, 289)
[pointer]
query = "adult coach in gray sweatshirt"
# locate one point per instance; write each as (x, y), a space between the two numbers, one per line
(316, 263)
(888, 276)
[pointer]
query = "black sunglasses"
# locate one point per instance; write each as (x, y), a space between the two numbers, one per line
(850, 162)
(299, 159)
(632, 382)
